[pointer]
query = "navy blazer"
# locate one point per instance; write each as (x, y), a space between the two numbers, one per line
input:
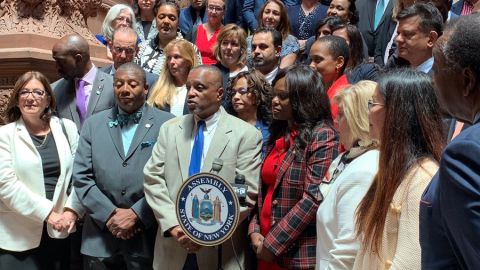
(450, 207)
(186, 19)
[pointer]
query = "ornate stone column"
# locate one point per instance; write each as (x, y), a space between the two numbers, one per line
(29, 28)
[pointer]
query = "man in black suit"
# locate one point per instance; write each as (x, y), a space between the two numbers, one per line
(84, 89)
(377, 33)
(124, 48)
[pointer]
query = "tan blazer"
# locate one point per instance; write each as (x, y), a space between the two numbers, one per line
(400, 248)
(23, 206)
(238, 144)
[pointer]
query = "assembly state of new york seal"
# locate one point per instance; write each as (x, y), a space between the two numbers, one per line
(207, 209)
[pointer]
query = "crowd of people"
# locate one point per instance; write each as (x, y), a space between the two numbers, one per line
(354, 124)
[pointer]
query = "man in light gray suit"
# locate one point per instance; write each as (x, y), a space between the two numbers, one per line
(235, 142)
(83, 90)
(113, 148)
(124, 48)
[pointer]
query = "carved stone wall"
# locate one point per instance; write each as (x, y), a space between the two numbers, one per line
(30, 28)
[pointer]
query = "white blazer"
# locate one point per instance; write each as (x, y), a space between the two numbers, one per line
(23, 205)
(336, 242)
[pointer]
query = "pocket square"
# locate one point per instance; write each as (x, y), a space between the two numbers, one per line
(147, 144)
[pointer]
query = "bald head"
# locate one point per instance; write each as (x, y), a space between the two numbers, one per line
(216, 74)
(72, 56)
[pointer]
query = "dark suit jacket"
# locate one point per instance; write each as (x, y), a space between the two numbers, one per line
(186, 19)
(450, 209)
(377, 39)
(106, 178)
(101, 97)
(150, 77)
(250, 11)
(298, 197)
(457, 7)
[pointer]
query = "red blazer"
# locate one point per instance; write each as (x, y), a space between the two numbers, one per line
(296, 198)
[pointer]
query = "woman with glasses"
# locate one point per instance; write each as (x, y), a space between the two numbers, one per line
(274, 15)
(406, 119)
(204, 36)
(348, 179)
(169, 93)
(36, 159)
(301, 146)
(119, 15)
(145, 26)
(250, 97)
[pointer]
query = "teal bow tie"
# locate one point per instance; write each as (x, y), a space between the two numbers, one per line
(124, 119)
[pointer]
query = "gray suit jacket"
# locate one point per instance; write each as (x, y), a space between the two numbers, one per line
(150, 77)
(238, 144)
(106, 178)
(101, 98)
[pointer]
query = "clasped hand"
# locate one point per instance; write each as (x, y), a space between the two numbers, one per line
(262, 252)
(122, 223)
(62, 222)
(183, 240)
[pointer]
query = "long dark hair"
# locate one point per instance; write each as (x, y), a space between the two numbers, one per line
(284, 25)
(412, 130)
(355, 45)
(309, 101)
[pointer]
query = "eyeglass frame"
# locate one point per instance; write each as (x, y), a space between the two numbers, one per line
(216, 9)
(122, 18)
(128, 51)
(24, 93)
(371, 104)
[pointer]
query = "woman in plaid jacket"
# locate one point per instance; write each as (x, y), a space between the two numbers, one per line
(301, 147)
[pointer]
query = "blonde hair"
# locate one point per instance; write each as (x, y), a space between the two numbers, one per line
(164, 90)
(231, 31)
(353, 101)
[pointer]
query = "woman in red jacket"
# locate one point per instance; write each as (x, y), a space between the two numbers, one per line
(301, 147)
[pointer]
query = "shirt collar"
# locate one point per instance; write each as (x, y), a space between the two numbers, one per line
(89, 77)
(210, 121)
(426, 66)
(270, 76)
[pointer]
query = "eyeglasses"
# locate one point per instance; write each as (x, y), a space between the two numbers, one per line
(215, 8)
(371, 104)
(124, 19)
(129, 51)
(241, 91)
(37, 93)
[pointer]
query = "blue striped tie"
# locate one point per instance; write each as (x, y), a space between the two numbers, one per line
(378, 13)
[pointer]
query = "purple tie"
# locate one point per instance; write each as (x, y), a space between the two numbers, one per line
(81, 101)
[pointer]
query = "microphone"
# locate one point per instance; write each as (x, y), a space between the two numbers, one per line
(240, 189)
(217, 165)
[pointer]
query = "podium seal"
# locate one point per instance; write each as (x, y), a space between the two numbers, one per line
(207, 209)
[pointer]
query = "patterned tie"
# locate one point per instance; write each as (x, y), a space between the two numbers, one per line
(378, 13)
(81, 101)
(197, 150)
(124, 119)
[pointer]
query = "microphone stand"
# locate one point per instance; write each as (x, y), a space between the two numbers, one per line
(216, 167)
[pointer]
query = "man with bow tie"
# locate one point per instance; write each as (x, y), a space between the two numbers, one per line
(113, 148)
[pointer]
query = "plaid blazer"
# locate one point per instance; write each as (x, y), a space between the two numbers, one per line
(296, 197)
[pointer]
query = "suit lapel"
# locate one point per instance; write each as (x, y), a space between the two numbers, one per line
(97, 90)
(72, 101)
(25, 136)
(386, 14)
(286, 163)
(219, 141)
(145, 124)
(115, 133)
(183, 142)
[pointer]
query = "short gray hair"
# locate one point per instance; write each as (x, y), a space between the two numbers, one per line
(112, 14)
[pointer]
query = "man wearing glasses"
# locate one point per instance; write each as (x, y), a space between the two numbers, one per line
(124, 48)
